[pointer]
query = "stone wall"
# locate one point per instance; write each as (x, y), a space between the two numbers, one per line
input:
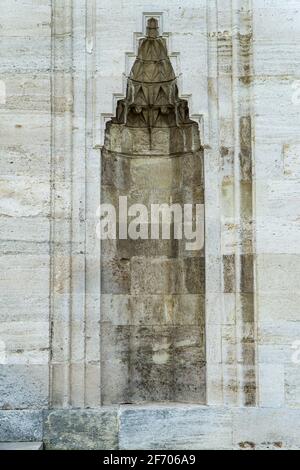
(62, 66)
(25, 208)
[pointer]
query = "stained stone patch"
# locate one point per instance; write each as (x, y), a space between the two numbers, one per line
(115, 276)
(157, 310)
(81, 429)
(263, 428)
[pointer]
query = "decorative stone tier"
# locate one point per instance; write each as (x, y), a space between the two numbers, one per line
(155, 141)
(152, 98)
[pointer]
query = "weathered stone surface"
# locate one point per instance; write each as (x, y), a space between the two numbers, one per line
(291, 385)
(177, 427)
(271, 393)
(186, 309)
(152, 339)
(211, 428)
(25, 341)
(23, 386)
(159, 172)
(81, 429)
(129, 248)
(153, 363)
(21, 425)
(116, 171)
(229, 274)
(242, 82)
(157, 276)
(115, 277)
(136, 142)
(194, 272)
(153, 427)
(266, 428)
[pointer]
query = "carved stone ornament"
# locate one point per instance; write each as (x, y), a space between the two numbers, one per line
(152, 94)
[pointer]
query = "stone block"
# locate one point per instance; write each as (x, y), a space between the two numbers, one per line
(261, 428)
(21, 446)
(159, 172)
(157, 276)
(81, 429)
(24, 197)
(26, 54)
(279, 273)
(186, 309)
(194, 270)
(229, 273)
(18, 22)
(192, 170)
(179, 427)
(150, 248)
(31, 307)
(115, 276)
(116, 171)
(25, 342)
(23, 386)
(153, 363)
(21, 425)
(271, 385)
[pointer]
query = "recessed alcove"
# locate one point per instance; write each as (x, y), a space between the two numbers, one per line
(153, 291)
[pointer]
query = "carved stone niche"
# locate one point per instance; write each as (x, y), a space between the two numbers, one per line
(153, 291)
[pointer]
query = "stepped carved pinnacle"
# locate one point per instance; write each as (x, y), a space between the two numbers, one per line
(152, 94)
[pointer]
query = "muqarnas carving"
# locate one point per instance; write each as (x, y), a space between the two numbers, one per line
(152, 94)
(153, 291)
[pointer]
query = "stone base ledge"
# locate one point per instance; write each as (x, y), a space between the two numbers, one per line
(21, 446)
(208, 428)
(155, 427)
